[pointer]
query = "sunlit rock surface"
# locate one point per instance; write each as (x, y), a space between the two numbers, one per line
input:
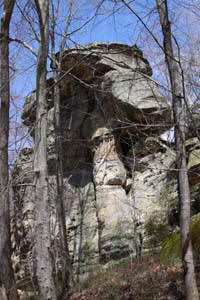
(116, 168)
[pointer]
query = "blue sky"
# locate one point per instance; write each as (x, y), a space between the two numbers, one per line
(107, 26)
(112, 23)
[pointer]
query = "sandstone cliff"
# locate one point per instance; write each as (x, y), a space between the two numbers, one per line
(118, 173)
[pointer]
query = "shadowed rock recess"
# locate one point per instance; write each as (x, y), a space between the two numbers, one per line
(118, 172)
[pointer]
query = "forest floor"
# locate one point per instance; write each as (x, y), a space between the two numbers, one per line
(141, 279)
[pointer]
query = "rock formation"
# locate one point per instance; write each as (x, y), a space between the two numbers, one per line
(116, 167)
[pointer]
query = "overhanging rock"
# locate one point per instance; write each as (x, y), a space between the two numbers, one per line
(109, 105)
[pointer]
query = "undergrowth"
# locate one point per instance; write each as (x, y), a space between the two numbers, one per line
(142, 279)
(171, 246)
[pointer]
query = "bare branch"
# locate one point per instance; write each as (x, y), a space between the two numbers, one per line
(25, 45)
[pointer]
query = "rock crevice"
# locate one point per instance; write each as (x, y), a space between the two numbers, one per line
(114, 176)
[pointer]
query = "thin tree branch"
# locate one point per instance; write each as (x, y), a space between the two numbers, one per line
(25, 45)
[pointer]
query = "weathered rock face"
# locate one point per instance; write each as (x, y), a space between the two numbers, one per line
(193, 148)
(114, 176)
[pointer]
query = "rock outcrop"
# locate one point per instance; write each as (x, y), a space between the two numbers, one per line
(116, 168)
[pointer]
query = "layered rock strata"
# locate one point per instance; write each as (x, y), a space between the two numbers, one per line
(114, 173)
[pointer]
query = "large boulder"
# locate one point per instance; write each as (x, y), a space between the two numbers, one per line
(113, 175)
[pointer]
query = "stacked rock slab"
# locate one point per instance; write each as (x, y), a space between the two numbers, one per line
(109, 105)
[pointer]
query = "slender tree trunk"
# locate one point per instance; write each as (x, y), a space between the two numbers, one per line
(56, 66)
(7, 283)
(183, 183)
(65, 257)
(44, 270)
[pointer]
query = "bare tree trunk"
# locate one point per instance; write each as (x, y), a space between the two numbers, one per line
(7, 283)
(44, 270)
(56, 66)
(65, 257)
(183, 183)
